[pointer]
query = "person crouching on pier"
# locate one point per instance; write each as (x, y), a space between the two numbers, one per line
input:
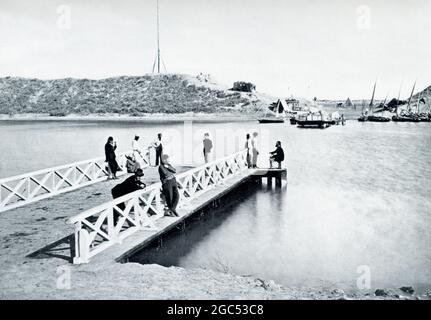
(131, 184)
(169, 185)
(277, 155)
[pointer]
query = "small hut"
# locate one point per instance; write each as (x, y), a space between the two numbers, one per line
(243, 86)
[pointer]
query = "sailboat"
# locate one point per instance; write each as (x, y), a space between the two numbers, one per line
(364, 116)
(406, 116)
(279, 111)
(382, 107)
(372, 117)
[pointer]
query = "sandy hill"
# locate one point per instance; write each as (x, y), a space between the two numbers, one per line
(426, 93)
(164, 93)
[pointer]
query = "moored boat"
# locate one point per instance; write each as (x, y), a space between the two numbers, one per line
(271, 120)
(321, 124)
(400, 118)
(365, 117)
(378, 119)
(314, 119)
(407, 115)
(278, 111)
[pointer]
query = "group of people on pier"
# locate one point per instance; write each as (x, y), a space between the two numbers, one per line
(166, 170)
(251, 145)
(135, 182)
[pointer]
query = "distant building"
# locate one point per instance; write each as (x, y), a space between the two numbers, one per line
(244, 86)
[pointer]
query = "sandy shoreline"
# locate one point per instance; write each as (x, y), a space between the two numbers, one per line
(153, 117)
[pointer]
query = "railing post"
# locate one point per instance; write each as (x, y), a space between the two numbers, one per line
(28, 188)
(111, 227)
(159, 205)
(82, 245)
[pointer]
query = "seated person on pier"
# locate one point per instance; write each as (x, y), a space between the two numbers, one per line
(277, 155)
(131, 184)
(169, 185)
(131, 164)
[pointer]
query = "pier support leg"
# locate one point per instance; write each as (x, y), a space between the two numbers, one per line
(269, 182)
(278, 182)
(259, 181)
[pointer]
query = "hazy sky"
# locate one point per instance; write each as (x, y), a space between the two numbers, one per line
(328, 49)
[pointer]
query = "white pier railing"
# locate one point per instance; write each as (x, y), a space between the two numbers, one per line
(97, 230)
(33, 186)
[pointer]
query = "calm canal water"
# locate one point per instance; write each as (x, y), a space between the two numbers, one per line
(358, 195)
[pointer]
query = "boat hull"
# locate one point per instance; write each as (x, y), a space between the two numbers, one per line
(405, 119)
(378, 119)
(319, 124)
(373, 119)
(270, 120)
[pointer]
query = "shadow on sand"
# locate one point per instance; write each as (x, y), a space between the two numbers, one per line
(61, 249)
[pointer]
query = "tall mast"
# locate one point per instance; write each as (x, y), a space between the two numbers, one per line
(398, 100)
(372, 97)
(410, 99)
(158, 39)
(158, 61)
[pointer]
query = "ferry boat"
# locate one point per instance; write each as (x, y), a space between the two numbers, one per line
(314, 119)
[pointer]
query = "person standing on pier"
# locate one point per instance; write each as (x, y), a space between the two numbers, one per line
(136, 148)
(159, 148)
(248, 147)
(254, 149)
(277, 155)
(113, 166)
(208, 145)
(131, 184)
(169, 184)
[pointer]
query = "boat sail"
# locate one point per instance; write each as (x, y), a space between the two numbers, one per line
(373, 118)
(406, 115)
(279, 112)
(364, 116)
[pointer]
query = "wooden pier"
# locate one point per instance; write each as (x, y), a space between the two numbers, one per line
(143, 218)
(98, 236)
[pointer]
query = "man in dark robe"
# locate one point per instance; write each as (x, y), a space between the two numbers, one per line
(113, 166)
(131, 184)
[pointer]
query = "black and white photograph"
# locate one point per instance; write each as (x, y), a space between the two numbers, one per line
(225, 150)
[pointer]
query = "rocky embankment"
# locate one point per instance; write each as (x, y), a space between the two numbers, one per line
(134, 96)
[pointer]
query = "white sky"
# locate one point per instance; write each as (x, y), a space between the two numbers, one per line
(302, 47)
